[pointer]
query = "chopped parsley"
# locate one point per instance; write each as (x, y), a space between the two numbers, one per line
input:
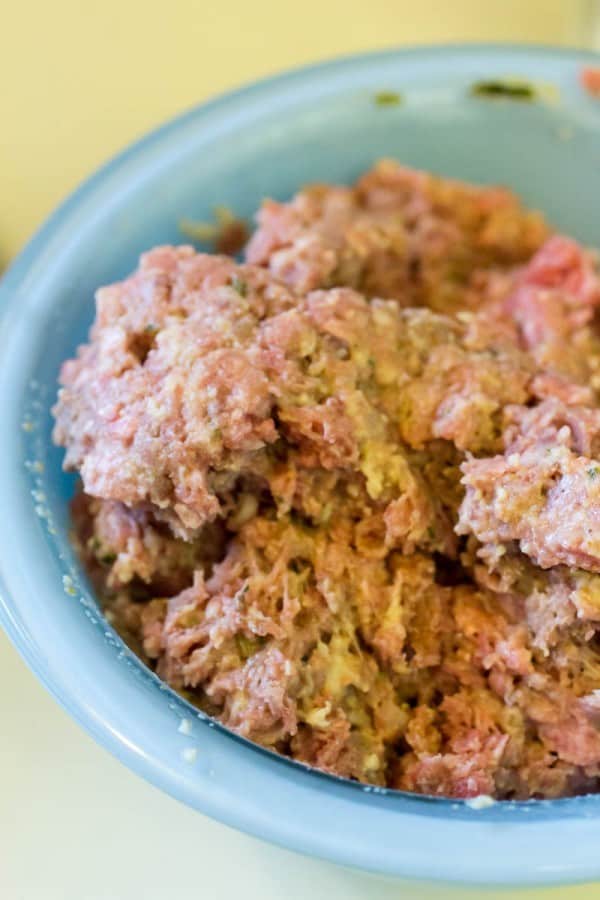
(387, 98)
(151, 328)
(239, 285)
(227, 233)
(510, 90)
(198, 231)
(593, 473)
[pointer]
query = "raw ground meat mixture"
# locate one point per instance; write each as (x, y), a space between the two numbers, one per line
(345, 496)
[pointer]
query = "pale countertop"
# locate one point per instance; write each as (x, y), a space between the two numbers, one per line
(79, 81)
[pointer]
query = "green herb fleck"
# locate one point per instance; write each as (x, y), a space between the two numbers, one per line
(593, 473)
(239, 285)
(387, 98)
(151, 328)
(248, 646)
(228, 233)
(510, 90)
(108, 559)
(201, 232)
(431, 532)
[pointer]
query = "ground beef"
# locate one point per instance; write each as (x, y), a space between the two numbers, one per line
(398, 233)
(345, 496)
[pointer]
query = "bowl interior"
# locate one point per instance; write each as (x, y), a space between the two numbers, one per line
(324, 124)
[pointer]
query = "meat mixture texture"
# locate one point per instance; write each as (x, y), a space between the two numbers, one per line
(345, 496)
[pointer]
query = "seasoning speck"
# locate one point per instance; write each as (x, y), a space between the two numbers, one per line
(68, 585)
(34, 466)
(387, 98)
(227, 233)
(198, 231)
(108, 559)
(239, 285)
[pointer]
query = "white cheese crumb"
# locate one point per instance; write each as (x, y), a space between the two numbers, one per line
(189, 754)
(483, 801)
(185, 726)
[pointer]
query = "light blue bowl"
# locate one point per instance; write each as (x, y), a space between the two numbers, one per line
(317, 123)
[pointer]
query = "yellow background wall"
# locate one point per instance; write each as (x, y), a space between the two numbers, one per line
(80, 79)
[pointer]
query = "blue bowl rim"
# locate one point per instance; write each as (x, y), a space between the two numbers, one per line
(543, 870)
